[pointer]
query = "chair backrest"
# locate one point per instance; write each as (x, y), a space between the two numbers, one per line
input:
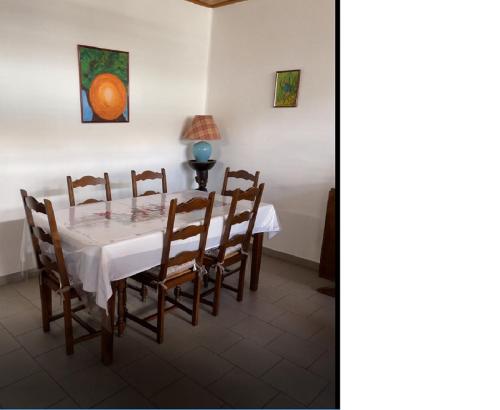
(55, 269)
(87, 181)
(193, 205)
(254, 195)
(143, 176)
(241, 174)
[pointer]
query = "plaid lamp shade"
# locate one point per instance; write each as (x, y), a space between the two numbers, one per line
(202, 128)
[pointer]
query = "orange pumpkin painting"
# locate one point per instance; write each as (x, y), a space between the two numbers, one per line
(104, 81)
(107, 96)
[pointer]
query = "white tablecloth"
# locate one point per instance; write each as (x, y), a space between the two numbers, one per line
(107, 241)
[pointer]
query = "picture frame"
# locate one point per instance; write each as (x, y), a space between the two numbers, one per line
(286, 88)
(104, 84)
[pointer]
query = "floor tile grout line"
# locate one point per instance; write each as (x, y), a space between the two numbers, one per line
(21, 379)
(318, 331)
(278, 392)
(42, 369)
(184, 374)
(259, 378)
(207, 387)
(246, 371)
(319, 357)
(22, 347)
(23, 296)
(27, 331)
(58, 383)
(53, 404)
(19, 345)
(73, 398)
(284, 392)
(229, 328)
(272, 367)
(319, 394)
(127, 386)
(230, 346)
(131, 385)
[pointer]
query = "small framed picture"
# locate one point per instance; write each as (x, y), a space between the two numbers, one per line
(286, 88)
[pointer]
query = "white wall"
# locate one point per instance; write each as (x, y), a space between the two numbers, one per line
(41, 136)
(170, 41)
(292, 147)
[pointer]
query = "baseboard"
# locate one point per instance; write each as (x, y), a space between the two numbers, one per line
(18, 276)
(306, 263)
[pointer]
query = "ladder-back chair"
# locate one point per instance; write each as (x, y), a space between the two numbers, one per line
(146, 175)
(241, 174)
(53, 274)
(143, 176)
(233, 248)
(87, 181)
(186, 266)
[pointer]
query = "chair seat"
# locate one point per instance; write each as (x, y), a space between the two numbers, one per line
(231, 251)
(152, 275)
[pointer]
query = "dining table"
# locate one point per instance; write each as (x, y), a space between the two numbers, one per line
(104, 243)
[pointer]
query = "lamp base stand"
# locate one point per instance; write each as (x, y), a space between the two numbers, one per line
(201, 169)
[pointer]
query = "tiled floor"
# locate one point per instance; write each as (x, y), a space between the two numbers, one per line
(273, 350)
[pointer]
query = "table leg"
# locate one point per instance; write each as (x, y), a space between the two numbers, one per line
(256, 258)
(107, 327)
(122, 303)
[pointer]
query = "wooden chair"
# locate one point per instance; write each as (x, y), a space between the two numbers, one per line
(87, 181)
(143, 176)
(53, 274)
(233, 249)
(175, 270)
(241, 174)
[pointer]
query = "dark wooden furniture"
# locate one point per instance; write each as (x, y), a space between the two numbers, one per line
(174, 270)
(326, 264)
(108, 324)
(53, 274)
(214, 3)
(148, 175)
(241, 174)
(87, 181)
(144, 176)
(233, 250)
(258, 238)
(202, 169)
(257, 241)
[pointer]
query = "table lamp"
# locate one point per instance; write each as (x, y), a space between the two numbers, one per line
(203, 129)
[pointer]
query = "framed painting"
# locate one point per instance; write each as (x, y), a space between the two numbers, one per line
(104, 84)
(286, 89)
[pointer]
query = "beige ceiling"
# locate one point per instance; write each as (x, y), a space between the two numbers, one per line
(214, 3)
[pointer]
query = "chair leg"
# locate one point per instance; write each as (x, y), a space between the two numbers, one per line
(217, 290)
(125, 303)
(144, 292)
(122, 294)
(68, 326)
(241, 279)
(46, 300)
(196, 300)
(161, 315)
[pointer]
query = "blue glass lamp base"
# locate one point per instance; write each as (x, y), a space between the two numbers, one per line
(202, 151)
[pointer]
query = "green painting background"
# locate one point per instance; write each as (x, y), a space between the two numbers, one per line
(96, 61)
(287, 88)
